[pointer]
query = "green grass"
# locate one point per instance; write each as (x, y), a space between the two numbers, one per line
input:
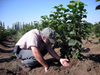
(15, 66)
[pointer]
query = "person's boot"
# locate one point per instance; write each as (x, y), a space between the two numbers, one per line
(24, 67)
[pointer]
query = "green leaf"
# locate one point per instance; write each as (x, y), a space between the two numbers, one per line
(71, 1)
(72, 52)
(60, 26)
(72, 42)
(84, 10)
(63, 9)
(78, 1)
(61, 13)
(58, 9)
(55, 7)
(67, 38)
(97, 0)
(71, 6)
(76, 55)
(84, 16)
(55, 16)
(64, 15)
(98, 7)
(80, 42)
(51, 15)
(67, 10)
(60, 5)
(77, 51)
(73, 49)
(50, 20)
(72, 32)
(71, 17)
(75, 10)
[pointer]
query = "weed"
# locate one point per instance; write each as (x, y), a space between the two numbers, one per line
(31, 73)
(15, 66)
(4, 64)
(13, 56)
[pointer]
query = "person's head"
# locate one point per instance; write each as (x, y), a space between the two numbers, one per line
(48, 35)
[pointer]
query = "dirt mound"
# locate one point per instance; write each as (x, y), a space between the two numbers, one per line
(88, 64)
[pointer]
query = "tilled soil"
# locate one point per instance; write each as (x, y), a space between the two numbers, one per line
(88, 64)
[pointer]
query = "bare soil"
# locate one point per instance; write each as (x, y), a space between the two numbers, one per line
(88, 64)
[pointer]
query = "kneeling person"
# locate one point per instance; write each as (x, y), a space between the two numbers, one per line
(33, 45)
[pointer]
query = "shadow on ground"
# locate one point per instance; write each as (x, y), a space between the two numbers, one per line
(8, 45)
(5, 51)
(85, 50)
(51, 62)
(7, 59)
(93, 57)
(6, 72)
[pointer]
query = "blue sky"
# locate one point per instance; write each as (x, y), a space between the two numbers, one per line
(12, 11)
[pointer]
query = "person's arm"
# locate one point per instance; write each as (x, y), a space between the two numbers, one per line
(55, 55)
(39, 57)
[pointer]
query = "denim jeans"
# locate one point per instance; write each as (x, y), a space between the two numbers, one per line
(28, 58)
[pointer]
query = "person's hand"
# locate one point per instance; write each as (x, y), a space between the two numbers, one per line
(46, 69)
(64, 62)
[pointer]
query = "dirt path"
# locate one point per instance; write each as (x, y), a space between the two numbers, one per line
(89, 64)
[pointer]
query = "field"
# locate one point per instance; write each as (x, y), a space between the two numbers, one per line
(88, 64)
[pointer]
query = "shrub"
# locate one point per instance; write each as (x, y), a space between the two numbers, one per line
(69, 27)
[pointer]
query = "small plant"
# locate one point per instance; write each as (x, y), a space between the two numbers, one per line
(4, 64)
(69, 27)
(15, 66)
(13, 56)
(31, 73)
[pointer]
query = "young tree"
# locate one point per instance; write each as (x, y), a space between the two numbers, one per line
(69, 27)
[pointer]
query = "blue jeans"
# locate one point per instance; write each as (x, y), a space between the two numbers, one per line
(28, 58)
